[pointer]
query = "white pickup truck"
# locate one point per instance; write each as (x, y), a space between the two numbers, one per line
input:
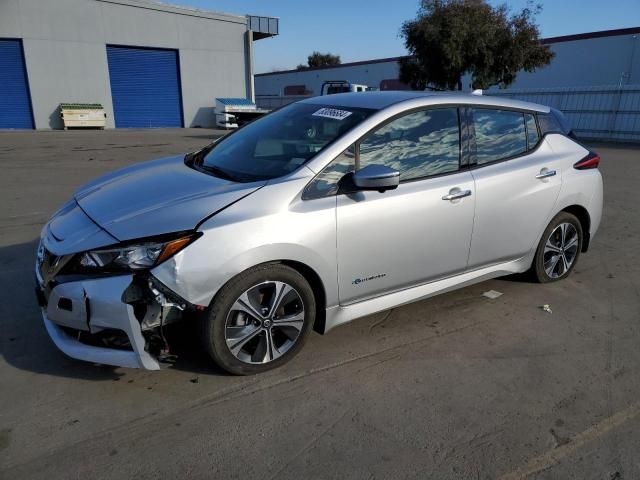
(341, 86)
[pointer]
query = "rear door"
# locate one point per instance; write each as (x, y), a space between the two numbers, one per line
(517, 181)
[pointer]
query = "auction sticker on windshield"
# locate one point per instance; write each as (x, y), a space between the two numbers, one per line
(334, 113)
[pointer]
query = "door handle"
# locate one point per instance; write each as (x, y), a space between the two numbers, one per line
(545, 173)
(455, 194)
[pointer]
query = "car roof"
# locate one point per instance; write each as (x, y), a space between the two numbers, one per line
(382, 100)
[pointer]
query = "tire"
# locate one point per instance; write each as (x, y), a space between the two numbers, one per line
(556, 256)
(242, 331)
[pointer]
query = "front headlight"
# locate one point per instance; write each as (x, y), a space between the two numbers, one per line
(136, 256)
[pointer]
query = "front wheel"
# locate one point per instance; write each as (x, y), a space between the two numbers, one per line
(559, 248)
(259, 320)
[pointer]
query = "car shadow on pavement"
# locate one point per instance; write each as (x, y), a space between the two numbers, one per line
(525, 277)
(25, 344)
(184, 342)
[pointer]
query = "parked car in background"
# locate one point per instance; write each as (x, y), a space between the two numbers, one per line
(331, 87)
(326, 210)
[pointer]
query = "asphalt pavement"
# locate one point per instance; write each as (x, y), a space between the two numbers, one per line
(456, 387)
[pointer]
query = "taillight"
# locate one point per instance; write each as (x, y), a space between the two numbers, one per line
(592, 160)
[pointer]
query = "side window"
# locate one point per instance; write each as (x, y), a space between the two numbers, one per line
(418, 145)
(549, 123)
(555, 122)
(532, 131)
(500, 134)
(327, 181)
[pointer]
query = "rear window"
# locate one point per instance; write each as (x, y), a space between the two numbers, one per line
(500, 134)
(337, 89)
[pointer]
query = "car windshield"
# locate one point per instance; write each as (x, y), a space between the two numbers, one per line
(280, 142)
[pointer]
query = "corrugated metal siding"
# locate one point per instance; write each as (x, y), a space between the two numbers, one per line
(145, 87)
(370, 74)
(271, 102)
(15, 103)
(603, 113)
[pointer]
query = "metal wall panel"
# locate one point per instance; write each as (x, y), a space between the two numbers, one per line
(64, 43)
(371, 74)
(609, 113)
(145, 87)
(15, 103)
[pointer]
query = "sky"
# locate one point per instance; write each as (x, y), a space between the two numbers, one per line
(368, 29)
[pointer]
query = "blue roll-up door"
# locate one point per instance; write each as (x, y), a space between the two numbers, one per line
(145, 87)
(15, 103)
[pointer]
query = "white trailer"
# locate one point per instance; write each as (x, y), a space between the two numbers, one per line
(235, 112)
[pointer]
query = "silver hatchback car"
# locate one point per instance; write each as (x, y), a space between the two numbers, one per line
(321, 212)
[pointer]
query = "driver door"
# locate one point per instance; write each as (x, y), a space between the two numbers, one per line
(419, 232)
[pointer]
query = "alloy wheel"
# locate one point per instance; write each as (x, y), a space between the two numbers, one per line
(264, 322)
(560, 250)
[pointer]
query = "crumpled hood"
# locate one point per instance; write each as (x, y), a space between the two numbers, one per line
(161, 196)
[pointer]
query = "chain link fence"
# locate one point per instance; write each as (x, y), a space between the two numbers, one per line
(609, 113)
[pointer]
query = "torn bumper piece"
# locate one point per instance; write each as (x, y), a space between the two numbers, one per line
(95, 306)
(107, 356)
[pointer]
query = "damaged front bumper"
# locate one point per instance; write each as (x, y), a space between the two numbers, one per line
(112, 318)
(80, 316)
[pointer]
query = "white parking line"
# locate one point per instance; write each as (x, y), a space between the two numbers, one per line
(551, 457)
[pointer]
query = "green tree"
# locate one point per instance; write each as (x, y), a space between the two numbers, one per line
(450, 38)
(317, 59)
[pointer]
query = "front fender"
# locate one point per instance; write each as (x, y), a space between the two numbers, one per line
(198, 282)
(273, 224)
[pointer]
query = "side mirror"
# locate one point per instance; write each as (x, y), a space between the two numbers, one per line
(376, 177)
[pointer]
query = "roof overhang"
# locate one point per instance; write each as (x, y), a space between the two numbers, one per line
(263, 27)
(178, 10)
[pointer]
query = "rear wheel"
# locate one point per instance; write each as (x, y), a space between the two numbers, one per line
(259, 320)
(559, 248)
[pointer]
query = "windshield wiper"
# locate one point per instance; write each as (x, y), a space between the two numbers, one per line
(218, 172)
(196, 161)
(196, 158)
